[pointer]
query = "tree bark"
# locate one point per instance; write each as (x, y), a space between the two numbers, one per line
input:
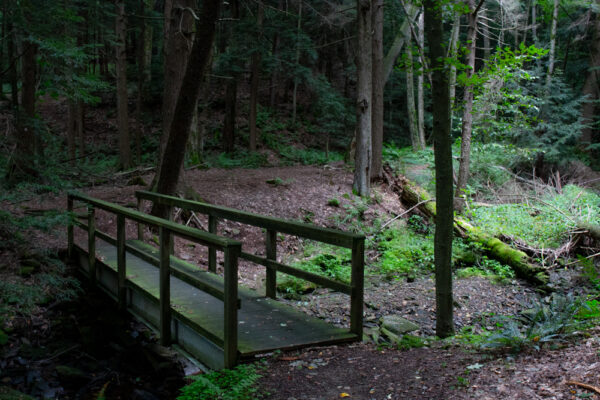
(552, 50)
(396, 48)
(410, 99)
(230, 96)
(467, 120)
(295, 93)
(420, 83)
(453, 53)
(378, 86)
(187, 101)
(121, 72)
(362, 163)
(434, 29)
(12, 71)
(255, 80)
(591, 87)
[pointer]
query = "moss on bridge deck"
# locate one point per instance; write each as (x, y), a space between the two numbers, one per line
(263, 324)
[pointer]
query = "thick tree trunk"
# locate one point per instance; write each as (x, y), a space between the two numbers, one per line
(378, 86)
(230, 95)
(410, 99)
(295, 93)
(434, 31)
(362, 163)
(467, 120)
(453, 53)
(552, 50)
(591, 87)
(255, 80)
(121, 72)
(396, 48)
(12, 71)
(420, 83)
(187, 101)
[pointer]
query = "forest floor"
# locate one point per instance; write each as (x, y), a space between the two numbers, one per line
(441, 370)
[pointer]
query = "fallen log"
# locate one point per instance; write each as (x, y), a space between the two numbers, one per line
(410, 193)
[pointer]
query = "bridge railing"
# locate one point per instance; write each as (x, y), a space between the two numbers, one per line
(355, 242)
(167, 229)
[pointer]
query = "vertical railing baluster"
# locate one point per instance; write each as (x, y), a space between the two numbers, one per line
(212, 252)
(140, 227)
(357, 283)
(92, 243)
(271, 273)
(165, 286)
(70, 236)
(231, 254)
(121, 263)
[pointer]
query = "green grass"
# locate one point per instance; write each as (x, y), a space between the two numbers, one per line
(543, 223)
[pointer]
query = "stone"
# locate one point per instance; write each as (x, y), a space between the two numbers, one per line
(398, 325)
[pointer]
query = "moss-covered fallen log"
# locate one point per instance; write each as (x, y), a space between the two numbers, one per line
(593, 230)
(410, 193)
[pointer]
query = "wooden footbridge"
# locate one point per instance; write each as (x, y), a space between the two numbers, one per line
(209, 316)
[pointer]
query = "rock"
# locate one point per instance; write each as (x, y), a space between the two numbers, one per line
(71, 375)
(31, 263)
(398, 325)
(139, 394)
(7, 393)
(26, 271)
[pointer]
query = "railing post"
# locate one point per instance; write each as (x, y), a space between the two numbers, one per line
(165, 286)
(172, 239)
(357, 282)
(140, 227)
(212, 252)
(271, 273)
(230, 303)
(70, 237)
(121, 264)
(92, 243)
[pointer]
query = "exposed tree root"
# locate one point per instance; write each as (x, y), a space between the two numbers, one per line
(584, 385)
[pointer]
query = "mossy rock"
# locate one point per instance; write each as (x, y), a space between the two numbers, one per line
(7, 393)
(26, 271)
(137, 181)
(397, 325)
(32, 263)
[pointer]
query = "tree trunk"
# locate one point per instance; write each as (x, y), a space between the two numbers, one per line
(179, 36)
(398, 43)
(420, 84)
(121, 72)
(255, 80)
(362, 163)
(467, 121)
(80, 126)
(230, 96)
(434, 29)
(534, 21)
(591, 87)
(552, 50)
(410, 99)
(295, 93)
(378, 86)
(12, 71)
(187, 101)
(485, 32)
(71, 131)
(453, 54)
(143, 76)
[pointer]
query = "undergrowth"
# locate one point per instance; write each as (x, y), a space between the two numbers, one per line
(542, 223)
(228, 384)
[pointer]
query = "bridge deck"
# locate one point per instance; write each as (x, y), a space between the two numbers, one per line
(263, 324)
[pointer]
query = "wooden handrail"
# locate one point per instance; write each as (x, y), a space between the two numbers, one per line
(196, 235)
(308, 231)
(231, 250)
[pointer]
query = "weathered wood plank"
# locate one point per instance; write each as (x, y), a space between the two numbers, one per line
(271, 273)
(165, 286)
(357, 294)
(298, 273)
(212, 252)
(121, 263)
(230, 321)
(91, 225)
(192, 234)
(308, 231)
